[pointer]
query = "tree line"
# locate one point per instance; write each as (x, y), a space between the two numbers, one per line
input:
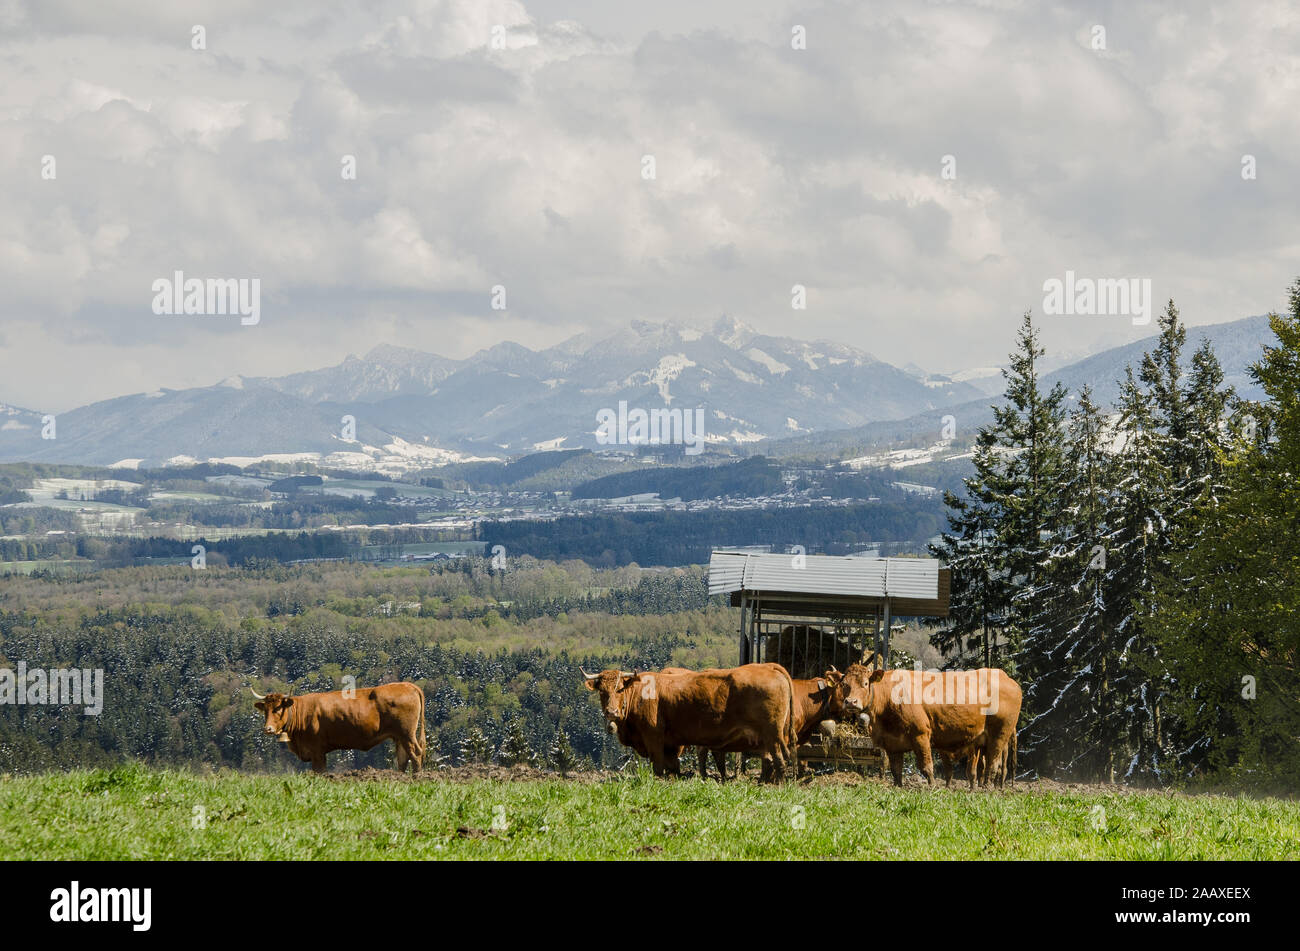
(1136, 569)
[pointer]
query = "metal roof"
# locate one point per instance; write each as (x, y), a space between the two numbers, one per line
(876, 578)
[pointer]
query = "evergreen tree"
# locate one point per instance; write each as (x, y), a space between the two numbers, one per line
(1135, 545)
(515, 750)
(1067, 660)
(996, 542)
(1028, 424)
(476, 747)
(562, 755)
(980, 596)
(1228, 604)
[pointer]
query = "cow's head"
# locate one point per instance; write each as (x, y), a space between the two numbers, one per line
(612, 685)
(860, 691)
(828, 685)
(276, 706)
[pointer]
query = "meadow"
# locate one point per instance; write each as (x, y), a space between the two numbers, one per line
(135, 812)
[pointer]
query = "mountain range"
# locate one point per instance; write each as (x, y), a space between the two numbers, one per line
(409, 408)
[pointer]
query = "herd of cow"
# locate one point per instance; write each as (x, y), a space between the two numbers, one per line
(756, 709)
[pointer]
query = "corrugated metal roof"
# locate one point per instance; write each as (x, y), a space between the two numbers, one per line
(824, 574)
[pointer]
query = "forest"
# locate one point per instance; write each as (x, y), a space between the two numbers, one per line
(496, 652)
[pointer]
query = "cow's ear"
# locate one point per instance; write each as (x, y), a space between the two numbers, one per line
(287, 702)
(261, 705)
(877, 674)
(589, 684)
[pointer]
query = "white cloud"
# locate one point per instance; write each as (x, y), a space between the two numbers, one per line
(522, 166)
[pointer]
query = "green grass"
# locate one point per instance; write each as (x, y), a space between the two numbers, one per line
(136, 813)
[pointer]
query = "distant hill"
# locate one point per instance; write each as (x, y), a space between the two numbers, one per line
(1237, 344)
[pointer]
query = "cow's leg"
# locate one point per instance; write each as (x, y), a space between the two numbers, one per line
(924, 761)
(702, 762)
(946, 764)
(991, 758)
(896, 766)
(318, 762)
(720, 760)
(403, 754)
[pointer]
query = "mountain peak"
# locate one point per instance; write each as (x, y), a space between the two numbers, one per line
(731, 331)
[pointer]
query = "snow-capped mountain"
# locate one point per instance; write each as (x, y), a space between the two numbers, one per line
(409, 408)
(502, 400)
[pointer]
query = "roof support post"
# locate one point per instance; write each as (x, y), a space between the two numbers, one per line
(889, 619)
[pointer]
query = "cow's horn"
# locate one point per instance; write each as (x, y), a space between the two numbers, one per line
(255, 693)
(587, 675)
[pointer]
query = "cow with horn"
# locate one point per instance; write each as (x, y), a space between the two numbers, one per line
(313, 725)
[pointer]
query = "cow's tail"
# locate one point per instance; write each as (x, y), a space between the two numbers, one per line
(1013, 758)
(420, 740)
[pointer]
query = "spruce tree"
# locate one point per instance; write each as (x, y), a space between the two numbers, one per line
(1228, 604)
(980, 596)
(1066, 663)
(1135, 541)
(515, 750)
(1028, 425)
(476, 748)
(562, 755)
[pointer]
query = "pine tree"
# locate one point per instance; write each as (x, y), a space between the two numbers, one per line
(1066, 663)
(1228, 604)
(562, 755)
(997, 532)
(980, 596)
(1136, 545)
(515, 750)
(476, 747)
(1028, 424)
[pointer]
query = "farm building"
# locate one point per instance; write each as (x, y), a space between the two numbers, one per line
(811, 612)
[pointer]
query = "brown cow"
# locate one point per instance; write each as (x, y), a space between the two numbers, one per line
(815, 701)
(925, 711)
(741, 709)
(701, 754)
(316, 724)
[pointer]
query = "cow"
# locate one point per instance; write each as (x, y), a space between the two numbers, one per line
(815, 701)
(316, 724)
(931, 711)
(740, 709)
(701, 754)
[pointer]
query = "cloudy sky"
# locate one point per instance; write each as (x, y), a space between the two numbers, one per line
(523, 166)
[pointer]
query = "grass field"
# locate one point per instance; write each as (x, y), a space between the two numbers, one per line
(136, 813)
